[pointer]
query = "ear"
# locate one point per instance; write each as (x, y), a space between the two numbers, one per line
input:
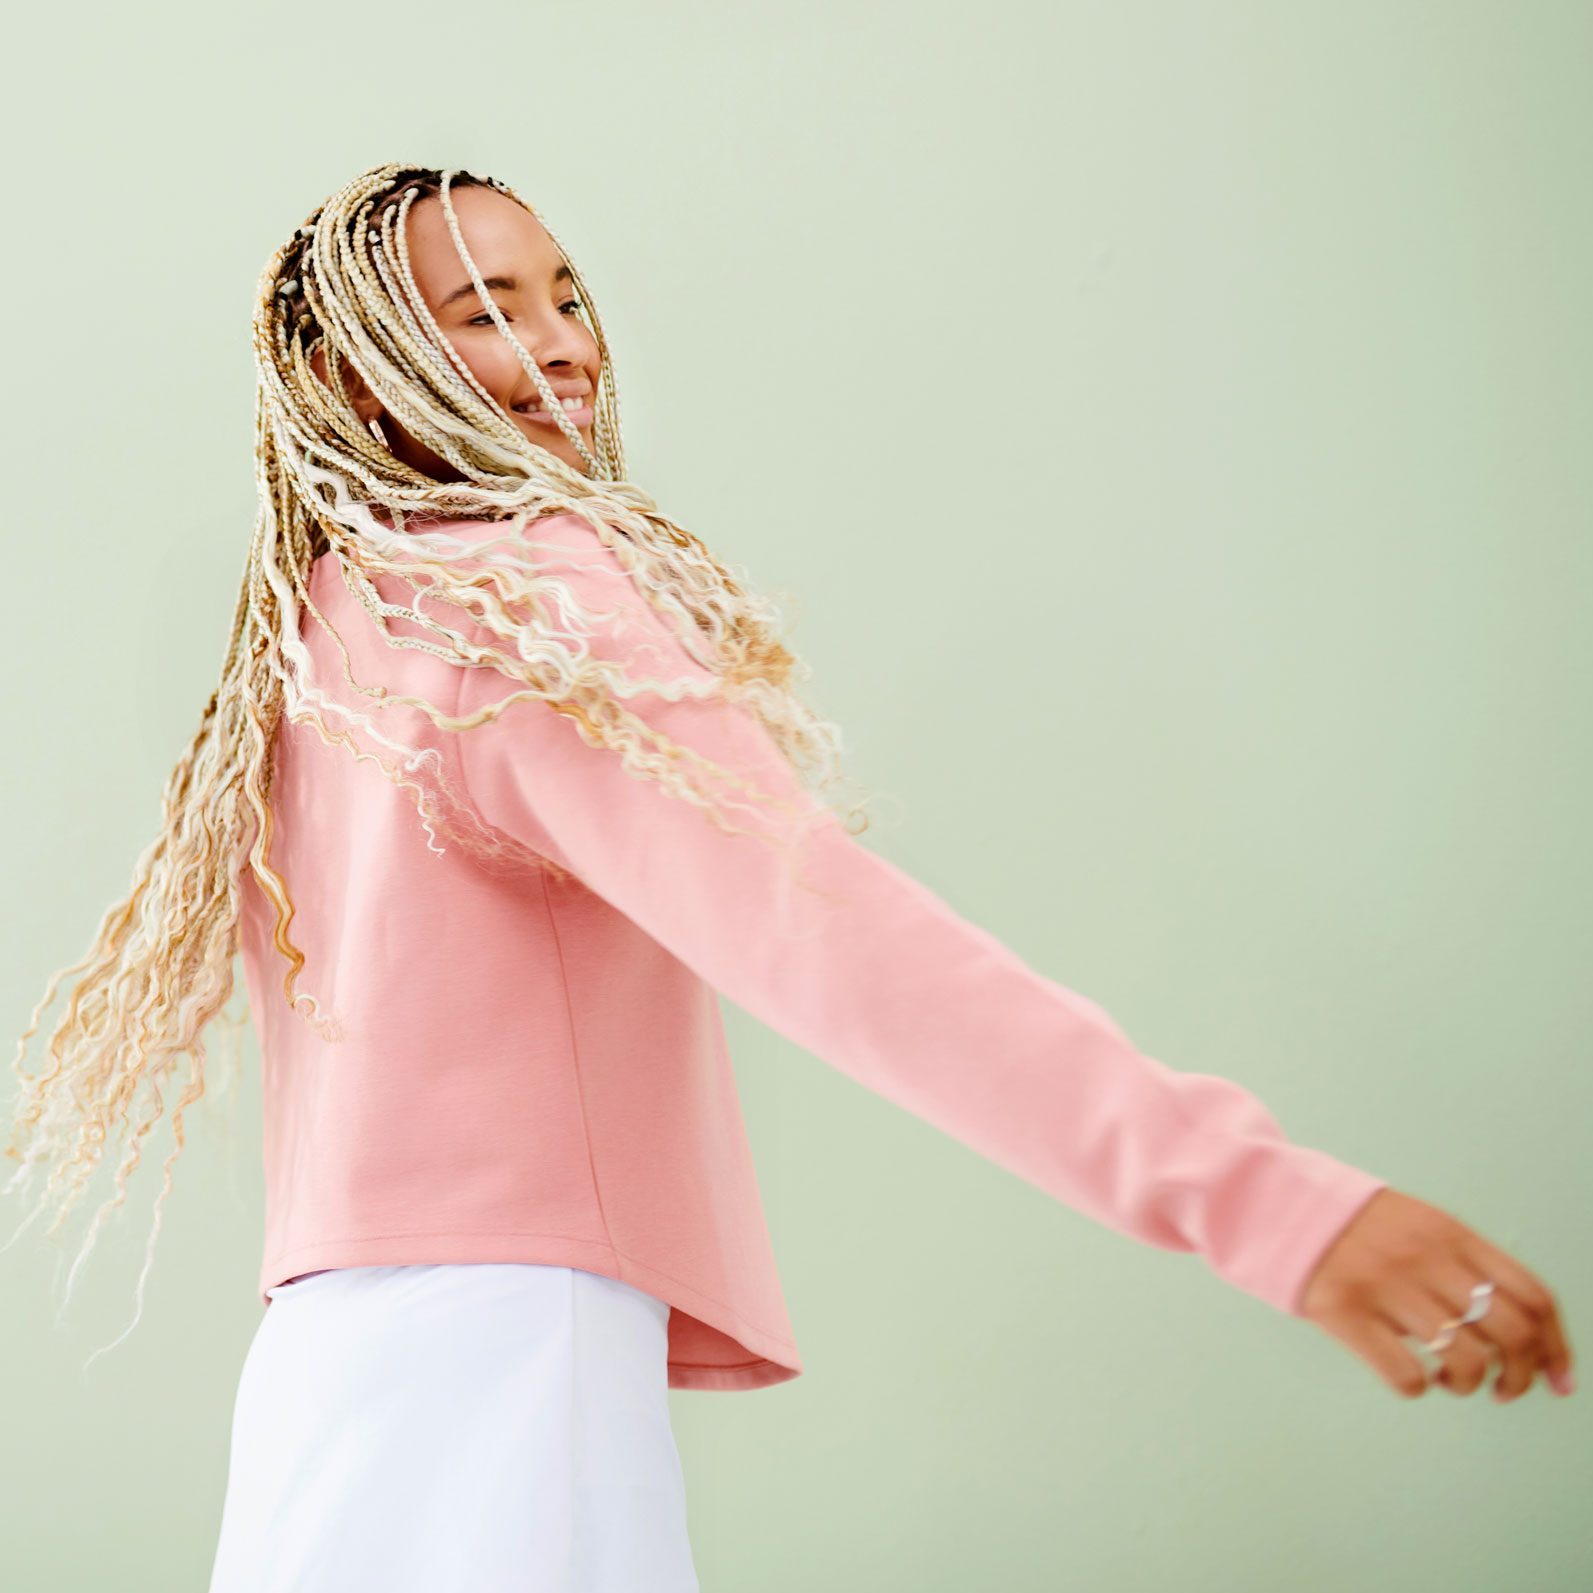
(365, 402)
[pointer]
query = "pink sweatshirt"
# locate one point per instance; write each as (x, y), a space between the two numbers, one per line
(535, 1069)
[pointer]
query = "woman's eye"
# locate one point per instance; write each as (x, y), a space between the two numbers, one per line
(484, 319)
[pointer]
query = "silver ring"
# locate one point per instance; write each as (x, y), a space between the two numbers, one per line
(1481, 1299)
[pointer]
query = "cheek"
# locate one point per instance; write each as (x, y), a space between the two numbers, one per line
(493, 363)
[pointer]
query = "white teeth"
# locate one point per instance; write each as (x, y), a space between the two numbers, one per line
(535, 407)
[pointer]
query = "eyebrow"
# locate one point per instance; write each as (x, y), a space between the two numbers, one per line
(503, 284)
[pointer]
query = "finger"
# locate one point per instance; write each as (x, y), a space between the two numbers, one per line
(1505, 1331)
(1520, 1342)
(1557, 1354)
(1529, 1297)
(1509, 1329)
(1380, 1344)
(1420, 1312)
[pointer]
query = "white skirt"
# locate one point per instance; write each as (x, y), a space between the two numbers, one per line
(490, 1427)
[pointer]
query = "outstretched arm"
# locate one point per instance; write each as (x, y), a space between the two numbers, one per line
(851, 958)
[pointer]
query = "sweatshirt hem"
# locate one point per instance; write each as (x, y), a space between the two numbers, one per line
(773, 1358)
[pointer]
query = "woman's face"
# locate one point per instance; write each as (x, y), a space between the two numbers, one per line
(530, 284)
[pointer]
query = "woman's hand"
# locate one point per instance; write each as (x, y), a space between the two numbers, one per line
(1402, 1269)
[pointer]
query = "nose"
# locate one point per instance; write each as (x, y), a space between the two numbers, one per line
(556, 340)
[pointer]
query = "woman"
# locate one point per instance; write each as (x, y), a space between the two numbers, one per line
(520, 782)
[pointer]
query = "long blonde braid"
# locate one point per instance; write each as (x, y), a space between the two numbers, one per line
(160, 966)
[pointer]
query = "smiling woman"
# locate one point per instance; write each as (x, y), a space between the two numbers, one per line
(499, 1283)
(506, 768)
(519, 280)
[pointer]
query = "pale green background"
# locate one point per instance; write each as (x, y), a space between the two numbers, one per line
(1170, 423)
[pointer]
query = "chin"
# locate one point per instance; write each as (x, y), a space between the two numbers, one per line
(568, 453)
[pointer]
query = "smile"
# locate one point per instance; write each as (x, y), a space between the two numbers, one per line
(579, 411)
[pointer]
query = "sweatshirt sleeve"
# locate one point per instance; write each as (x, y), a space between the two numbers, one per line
(862, 965)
